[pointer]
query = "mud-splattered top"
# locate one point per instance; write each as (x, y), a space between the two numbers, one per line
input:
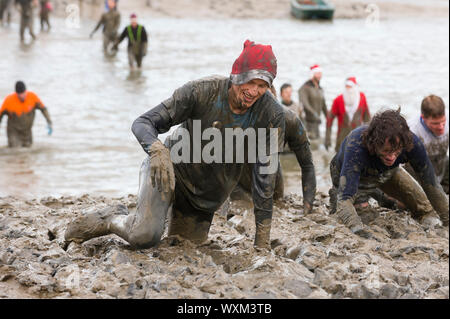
(357, 165)
(207, 185)
(436, 146)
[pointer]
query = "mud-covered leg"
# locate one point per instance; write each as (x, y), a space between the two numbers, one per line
(145, 227)
(404, 188)
(141, 229)
(278, 193)
(189, 223)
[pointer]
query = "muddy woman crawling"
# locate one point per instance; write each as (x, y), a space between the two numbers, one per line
(368, 162)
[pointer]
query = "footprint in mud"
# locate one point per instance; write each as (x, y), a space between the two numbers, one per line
(231, 263)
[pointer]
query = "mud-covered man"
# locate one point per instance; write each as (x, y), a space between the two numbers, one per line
(193, 189)
(25, 8)
(312, 100)
(297, 141)
(137, 42)
(111, 23)
(369, 158)
(20, 107)
(432, 129)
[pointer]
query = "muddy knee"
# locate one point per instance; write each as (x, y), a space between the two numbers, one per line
(190, 225)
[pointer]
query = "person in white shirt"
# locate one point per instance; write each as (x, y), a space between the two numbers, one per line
(432, 128)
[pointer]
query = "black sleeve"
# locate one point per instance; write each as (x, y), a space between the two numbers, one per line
(298, 143)
(147, 126)
(144, 35)
(263, 184)
(123, 35)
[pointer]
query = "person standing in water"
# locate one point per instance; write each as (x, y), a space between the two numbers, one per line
(110, 22)
(351, 109)
(5, 10)
(25, 8)
(137, 42)
(312, 99)
(286, 100)
(20, 107)
(44, 14)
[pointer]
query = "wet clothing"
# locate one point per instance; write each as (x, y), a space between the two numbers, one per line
(200, 187)
(296, 108)
(297, 140)
(345, 124)
(137, 43)
(26, 17)
(21, 117)
(437, 149)
(44, 13)
(312, 100)
(355, 171)
(6, 10)
(207, 100)
(110, 22)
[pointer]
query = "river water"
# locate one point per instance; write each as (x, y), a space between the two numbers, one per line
(93, 100)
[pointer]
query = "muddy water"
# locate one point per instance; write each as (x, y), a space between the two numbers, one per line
(93, 100)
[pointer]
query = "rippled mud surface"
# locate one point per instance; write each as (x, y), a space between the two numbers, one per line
(312, 256)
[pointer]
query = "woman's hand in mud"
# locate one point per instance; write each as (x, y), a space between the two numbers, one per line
(161, 168)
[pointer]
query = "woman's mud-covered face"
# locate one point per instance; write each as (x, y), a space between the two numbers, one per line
(387, 154)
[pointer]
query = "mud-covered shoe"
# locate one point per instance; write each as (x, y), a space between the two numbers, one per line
(92, 224)
(262, 236)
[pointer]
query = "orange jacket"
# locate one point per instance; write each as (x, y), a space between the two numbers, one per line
(12, 104)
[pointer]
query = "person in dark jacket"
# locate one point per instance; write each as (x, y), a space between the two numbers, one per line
(25, 8)
(137, 42)
(110, 22)
(369, 158)
(196, 183)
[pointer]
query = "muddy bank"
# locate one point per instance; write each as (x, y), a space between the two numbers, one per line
(280, 9)
(312, 256)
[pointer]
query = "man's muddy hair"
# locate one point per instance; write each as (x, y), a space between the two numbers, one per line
(387, 125)
(432, 106)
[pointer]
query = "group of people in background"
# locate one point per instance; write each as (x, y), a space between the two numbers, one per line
(26, 11)
(135, 32)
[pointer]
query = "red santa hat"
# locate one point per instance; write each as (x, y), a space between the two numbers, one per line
(315, 68)
(351, 81)
(256, 61)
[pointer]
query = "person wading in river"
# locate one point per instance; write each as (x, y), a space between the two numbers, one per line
(25, 8)
(312, 100)
(137, 42)
(20, 107)
(193, 190)
(111, 23)
(44, 14)
(369, 158)
(351, 110)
